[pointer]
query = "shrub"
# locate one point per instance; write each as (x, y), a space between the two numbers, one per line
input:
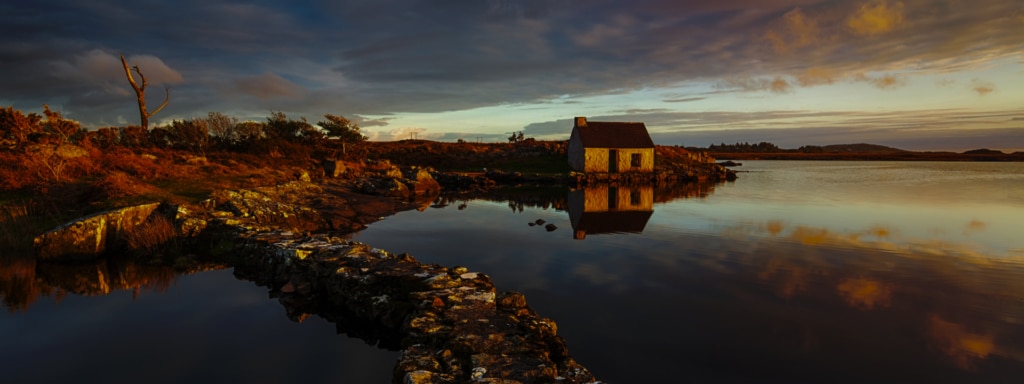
(157, 231)
(16, 127)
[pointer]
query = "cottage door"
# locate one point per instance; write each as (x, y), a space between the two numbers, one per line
(613, 161)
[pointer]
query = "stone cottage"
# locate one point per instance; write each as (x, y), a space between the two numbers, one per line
(610, 147)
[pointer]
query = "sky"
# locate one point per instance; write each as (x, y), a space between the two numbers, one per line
(913, 74)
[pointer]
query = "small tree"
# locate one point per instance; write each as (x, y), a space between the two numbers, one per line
(140, 93)
(338, 127)
(16, 127)
(191, 134)
(281, 128)
(57, 126)
(222, 128)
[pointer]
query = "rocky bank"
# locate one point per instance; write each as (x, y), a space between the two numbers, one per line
(452, 325)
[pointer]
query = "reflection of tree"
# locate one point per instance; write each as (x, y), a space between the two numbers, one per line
(18, 285)
(23, 280)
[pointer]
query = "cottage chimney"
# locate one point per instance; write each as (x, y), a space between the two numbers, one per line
(581, 121)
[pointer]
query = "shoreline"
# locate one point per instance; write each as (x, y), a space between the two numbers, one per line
(869, 156)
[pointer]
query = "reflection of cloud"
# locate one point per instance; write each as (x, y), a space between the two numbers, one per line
(865, 293)
(774, 227)
(790, 279)
(975, 226)
(813, 236)
(963, 346)
(880, 232)
(876, 18)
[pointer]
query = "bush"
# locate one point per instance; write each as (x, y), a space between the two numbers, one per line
(16, 127)
(156, 232)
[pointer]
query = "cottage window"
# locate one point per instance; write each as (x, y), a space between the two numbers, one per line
(634, 160)
(634, 197)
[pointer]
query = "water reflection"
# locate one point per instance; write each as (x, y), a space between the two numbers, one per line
(23, 280)
(795, 279)
(607, 209)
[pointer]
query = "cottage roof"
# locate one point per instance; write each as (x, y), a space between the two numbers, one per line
(601, 134)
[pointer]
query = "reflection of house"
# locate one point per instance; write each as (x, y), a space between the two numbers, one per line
(604, 209)
(610, 147)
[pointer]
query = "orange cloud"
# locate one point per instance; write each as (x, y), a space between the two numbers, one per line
(816, 76)
(779, 85)
(982, 87)
(883, 82)
(876, 18)
(796, 31)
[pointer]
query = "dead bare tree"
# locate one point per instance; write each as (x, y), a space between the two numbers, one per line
(140, 93)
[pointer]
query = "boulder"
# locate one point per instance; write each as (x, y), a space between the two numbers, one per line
(396, 189)
(334, 168)
(422, 183)
(90, 237)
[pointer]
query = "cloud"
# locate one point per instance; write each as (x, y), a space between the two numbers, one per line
(775, 85)
(883, 82)
(268, 85)
(684, 99)
(365, 122)
(403, 133)
(311, 57)
(982, 87)
(796, 30)
(817, 76)
(876, 18)
(156, 72)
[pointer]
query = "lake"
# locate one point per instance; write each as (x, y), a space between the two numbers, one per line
(800, 271)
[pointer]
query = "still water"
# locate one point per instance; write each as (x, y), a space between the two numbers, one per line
(883, 272)
(797, 272)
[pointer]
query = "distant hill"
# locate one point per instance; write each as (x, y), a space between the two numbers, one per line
(858, 151)
(860, 147)
(983, 152)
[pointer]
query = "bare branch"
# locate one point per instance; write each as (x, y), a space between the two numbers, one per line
(167, 97)
(128, 73)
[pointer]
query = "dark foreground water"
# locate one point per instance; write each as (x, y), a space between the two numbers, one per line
(880, 272)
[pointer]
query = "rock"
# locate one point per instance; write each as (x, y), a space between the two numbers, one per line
(397, 189)
(393, 173)
(422, 183)
(539, 222)
(90, 237)
(334, 168)
(451, 324)
(550, 227)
